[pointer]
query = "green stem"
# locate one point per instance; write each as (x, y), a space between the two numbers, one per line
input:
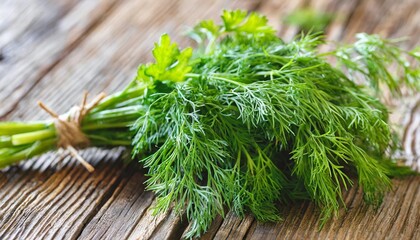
(5, 141)
(194, 75)
(101, 141)
(119, 113)
(119, 97)
(26, 152)
(101, 125)
(11, 128)
(30, 137)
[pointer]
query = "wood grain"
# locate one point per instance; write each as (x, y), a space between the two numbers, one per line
(58, 204)
(53, 50)
(36, 35)
(122, 211)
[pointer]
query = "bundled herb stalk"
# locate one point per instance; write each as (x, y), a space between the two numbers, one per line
(246, 121)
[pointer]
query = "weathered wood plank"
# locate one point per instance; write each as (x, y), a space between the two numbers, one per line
(62, 201)
(148, 224)
(231, 228)
(121, 212)
(387, 18)
(36, 35)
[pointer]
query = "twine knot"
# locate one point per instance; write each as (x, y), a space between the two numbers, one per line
(68, 127)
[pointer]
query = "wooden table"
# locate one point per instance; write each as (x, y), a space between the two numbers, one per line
(53, 50)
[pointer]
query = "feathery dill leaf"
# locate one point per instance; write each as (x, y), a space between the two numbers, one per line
(248, 97)
(373, 57)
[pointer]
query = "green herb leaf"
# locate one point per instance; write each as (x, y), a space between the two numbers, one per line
(171, 64)
(240, 22)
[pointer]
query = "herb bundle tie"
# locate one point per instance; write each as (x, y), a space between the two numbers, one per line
(70, 135)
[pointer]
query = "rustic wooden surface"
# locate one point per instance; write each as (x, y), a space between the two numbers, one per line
(52, 50)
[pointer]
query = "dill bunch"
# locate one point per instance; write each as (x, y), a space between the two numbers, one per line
(246, 121)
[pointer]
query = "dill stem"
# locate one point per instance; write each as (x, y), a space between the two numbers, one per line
(5, 141)
(99, 140)
(194, 75)
(30, 137)
(10, 128)
(97, 126)
(119, 97)
(26, 152)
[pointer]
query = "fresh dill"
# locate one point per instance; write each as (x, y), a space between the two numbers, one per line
(245, 121)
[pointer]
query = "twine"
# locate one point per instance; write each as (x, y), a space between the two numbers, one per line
(68, 127)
